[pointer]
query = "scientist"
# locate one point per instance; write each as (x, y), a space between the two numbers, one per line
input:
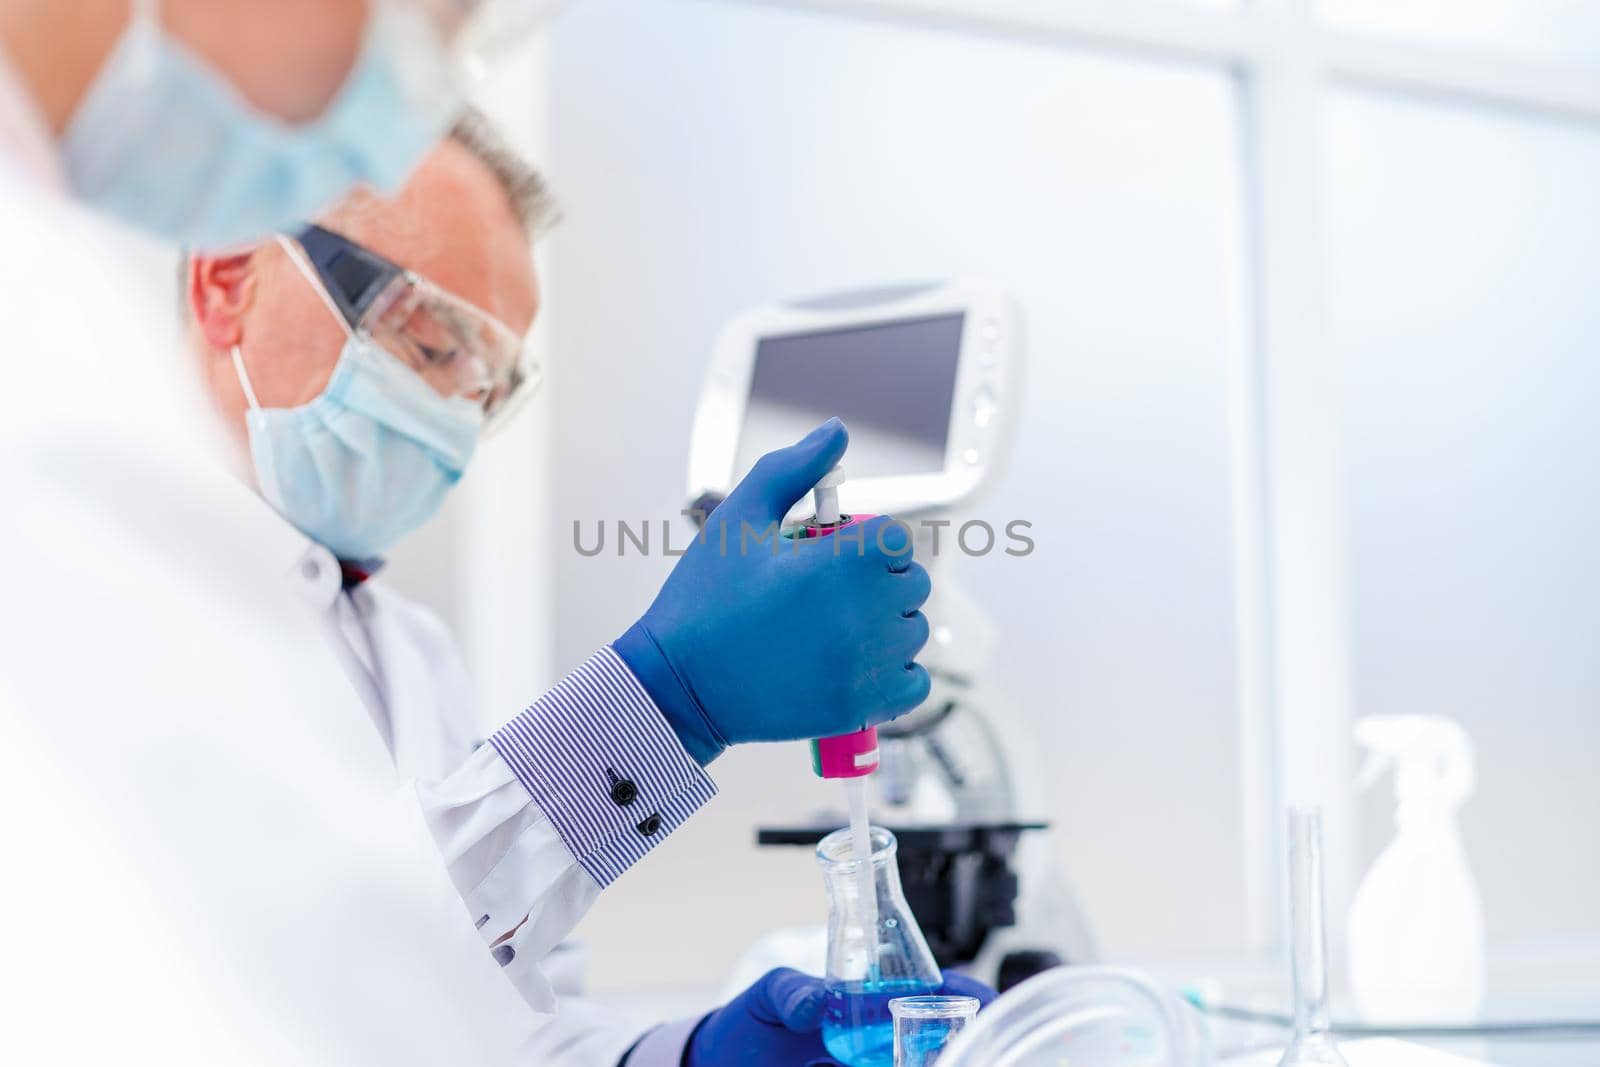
(355, 363)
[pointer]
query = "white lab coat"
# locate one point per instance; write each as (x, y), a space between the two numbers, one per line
(504, 856)
(209, 856)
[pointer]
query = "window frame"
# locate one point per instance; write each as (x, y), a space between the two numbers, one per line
(1292, 582)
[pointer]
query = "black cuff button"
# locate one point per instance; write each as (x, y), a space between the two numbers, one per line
(650, 826)
(624, 792)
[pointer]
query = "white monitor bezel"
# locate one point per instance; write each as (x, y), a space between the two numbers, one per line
(981, 406)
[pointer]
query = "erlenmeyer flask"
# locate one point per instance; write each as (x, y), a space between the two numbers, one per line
(869, 963)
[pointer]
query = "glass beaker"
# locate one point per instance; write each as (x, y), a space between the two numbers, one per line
(923, 1026)
(875, 953)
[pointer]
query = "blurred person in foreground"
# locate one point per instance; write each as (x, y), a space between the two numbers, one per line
(207, 861)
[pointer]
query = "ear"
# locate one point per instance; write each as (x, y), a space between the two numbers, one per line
(221, 290)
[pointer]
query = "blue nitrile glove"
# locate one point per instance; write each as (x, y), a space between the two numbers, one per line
(777, 1022)
(776, 639)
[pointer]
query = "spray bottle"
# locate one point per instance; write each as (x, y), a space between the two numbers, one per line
(853, 756)
(1416, 935)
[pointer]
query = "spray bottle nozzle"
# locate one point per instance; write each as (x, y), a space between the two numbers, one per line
(1431, 757)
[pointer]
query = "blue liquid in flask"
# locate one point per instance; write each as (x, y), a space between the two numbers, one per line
(856, 1026)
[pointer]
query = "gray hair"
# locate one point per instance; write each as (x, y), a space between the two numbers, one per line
(524, 186)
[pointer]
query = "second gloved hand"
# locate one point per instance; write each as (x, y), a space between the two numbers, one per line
(757, 638)
(777, 1022)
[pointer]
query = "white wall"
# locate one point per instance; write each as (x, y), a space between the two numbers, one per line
(712, 156)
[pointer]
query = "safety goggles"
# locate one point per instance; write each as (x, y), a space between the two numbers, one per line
(456, 347)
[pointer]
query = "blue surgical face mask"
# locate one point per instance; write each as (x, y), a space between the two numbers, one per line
(370, 459)
(165, 142)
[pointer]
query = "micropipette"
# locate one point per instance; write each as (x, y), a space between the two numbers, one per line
(850, 756)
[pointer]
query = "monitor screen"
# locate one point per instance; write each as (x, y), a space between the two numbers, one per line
(892, 383)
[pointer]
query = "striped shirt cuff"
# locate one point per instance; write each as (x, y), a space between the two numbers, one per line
(599, 760)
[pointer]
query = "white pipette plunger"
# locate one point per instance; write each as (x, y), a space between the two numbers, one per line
(826, 495)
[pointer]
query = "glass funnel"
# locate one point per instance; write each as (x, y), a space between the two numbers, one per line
(876, 951)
